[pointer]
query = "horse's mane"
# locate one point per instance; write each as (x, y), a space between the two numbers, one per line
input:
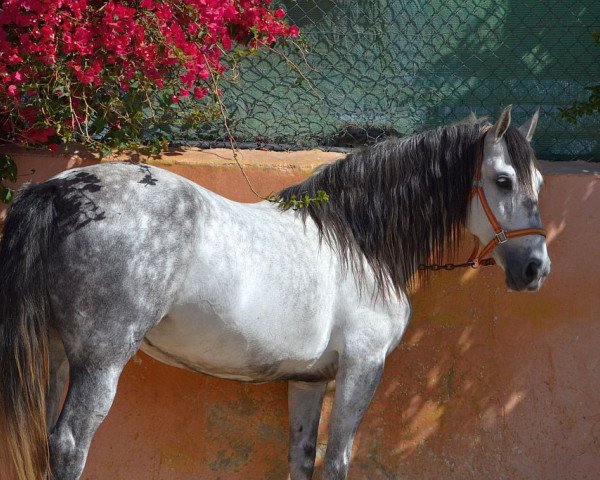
(403, 201)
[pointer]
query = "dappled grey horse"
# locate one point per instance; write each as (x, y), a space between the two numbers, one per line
(101, 261)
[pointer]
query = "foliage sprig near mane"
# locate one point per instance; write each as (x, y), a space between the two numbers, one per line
(403, 201)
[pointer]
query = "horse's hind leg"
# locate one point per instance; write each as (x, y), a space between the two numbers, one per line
(59, 369)
(305, 400)
(92, 388)
(97, 352)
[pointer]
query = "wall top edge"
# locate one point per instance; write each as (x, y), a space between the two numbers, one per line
(222, 157)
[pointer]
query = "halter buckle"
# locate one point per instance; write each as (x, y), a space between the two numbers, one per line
(501, 237)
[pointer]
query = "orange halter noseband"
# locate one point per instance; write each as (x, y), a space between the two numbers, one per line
(500, 235)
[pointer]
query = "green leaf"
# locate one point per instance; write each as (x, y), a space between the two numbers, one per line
(8, 168)
(588, 107)
(98, 125)
(6, 194)
(105, 151)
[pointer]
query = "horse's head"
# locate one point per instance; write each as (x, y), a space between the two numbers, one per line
(509, 183)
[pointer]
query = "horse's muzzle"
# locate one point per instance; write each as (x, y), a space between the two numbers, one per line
(530, 276)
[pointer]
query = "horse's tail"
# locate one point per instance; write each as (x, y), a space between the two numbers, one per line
(24, 320)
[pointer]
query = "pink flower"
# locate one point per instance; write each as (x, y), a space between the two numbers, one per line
(226, 42)
(14, 59)
(82, 40)
(12, 90)
(199, 92)
(279, 13)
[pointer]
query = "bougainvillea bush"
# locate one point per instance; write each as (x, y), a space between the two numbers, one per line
(97, 72)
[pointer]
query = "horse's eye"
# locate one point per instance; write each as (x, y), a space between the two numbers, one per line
(504, 183)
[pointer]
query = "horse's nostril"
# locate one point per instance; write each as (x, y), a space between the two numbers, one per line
(532, 270)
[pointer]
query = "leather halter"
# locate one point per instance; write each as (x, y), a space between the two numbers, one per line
(500, 235)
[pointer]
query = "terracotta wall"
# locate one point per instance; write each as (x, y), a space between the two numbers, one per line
(486, 384)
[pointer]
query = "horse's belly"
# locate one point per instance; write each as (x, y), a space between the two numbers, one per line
(197, 338)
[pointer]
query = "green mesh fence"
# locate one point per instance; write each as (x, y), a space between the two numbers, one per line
(381, 67)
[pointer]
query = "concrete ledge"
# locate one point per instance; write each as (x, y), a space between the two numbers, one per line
(221, 157)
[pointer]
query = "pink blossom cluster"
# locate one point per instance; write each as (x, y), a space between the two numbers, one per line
(60, 48)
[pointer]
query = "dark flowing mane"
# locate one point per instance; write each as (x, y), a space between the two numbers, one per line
(403, 201)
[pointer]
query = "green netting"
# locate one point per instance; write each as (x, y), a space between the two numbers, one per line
(400, 66)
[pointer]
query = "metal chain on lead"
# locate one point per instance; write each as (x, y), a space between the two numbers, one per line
(486, 262)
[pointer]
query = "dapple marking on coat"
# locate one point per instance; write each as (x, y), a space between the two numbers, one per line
(101, 261)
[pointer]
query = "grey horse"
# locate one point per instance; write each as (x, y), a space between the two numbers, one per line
(102, 261)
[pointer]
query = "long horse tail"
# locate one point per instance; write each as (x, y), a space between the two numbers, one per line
(24, 323)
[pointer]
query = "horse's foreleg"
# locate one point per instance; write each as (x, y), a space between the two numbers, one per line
(305, 400)
(356, 382)
(59, 368)
(92, 388)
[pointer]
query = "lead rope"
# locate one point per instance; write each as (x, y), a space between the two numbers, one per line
(472, 262)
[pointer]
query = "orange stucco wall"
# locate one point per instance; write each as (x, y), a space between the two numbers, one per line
(486, 383)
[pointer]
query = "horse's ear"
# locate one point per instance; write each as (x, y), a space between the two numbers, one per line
(502, 124)
(528, 128)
